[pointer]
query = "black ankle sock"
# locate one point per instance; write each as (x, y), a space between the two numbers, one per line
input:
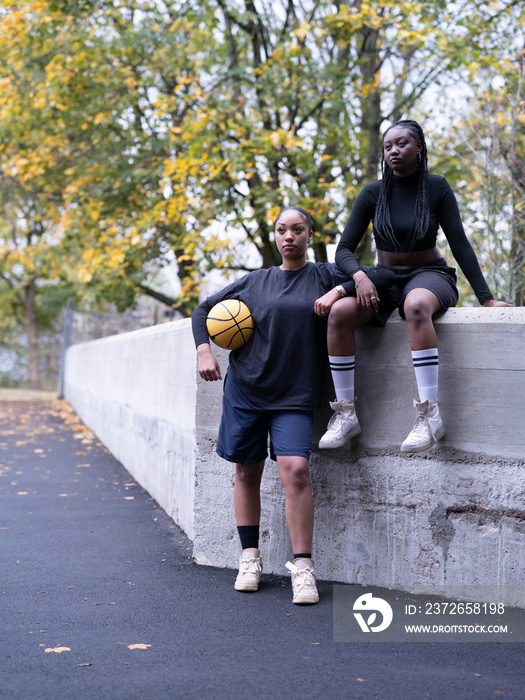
(306, 555)
(249, 536)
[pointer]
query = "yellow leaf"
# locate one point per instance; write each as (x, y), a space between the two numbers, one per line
(57, 650)
(302, 30)
(138, 646)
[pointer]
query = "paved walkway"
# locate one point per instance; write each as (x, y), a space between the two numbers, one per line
(100, 598)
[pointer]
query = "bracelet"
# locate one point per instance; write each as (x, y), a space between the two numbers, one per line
(359, 281)
(341, 290)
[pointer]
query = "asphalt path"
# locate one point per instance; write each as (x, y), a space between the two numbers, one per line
(100, 599)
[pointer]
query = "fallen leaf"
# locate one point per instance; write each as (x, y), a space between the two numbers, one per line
(361, 680)
(135, 646)
(57, 650)
(129, 498)
(21, 493)
(82, 665)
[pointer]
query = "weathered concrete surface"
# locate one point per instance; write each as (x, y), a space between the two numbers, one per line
(452, 516)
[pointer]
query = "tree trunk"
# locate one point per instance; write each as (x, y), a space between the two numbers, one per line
(370, 123)
(33, 355)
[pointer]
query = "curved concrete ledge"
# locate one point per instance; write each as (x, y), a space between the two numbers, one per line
(453, 516)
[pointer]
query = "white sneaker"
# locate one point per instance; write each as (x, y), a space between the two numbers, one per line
(250, 570)
(343, 425)
(303, 581)
(427, 430)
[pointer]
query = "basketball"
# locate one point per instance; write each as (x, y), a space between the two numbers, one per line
(230, 324)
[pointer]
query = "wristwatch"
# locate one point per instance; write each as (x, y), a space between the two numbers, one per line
(341, 290)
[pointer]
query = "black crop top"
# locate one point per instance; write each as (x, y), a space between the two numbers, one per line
(444, 212)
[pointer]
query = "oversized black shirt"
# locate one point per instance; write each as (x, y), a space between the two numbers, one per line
(282, 366)
(444, 213)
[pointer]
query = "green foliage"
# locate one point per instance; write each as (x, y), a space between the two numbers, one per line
(484, 150)
(137, 133)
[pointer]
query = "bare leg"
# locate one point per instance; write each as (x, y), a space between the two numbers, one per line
(345, 316)
(420, 306)
(299, 503)
(247, 493)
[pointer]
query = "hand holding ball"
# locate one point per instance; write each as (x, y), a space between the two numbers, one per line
(230, 324)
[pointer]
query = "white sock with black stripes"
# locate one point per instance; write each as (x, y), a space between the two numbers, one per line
(342, 369)
(426, 367)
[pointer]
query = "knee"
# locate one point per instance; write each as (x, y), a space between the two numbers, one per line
(297, 477)
(341, 316)
(249, 473)
(417, 312)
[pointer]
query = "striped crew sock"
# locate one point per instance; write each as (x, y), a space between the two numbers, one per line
(342, 369)
(426, 368)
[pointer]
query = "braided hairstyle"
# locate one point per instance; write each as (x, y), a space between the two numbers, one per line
(382, 222)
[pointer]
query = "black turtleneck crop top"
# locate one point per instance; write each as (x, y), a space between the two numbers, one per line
(444, 212)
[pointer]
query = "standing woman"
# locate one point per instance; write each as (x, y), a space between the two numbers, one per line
(272, 387)
(407, 206)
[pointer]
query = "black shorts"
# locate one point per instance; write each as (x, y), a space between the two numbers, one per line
(244, 430)
(437, 277)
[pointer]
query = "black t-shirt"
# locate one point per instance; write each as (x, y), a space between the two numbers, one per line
(444, 213)
(282, 365)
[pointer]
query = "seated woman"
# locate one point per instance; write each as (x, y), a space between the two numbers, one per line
(407, 206)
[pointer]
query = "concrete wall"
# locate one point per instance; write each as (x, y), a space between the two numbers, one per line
(137, 393)
(452, 516)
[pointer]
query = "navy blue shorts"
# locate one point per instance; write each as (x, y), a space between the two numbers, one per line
(244, 430)
(437, 277)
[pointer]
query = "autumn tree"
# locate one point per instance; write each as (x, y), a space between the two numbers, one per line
(158, 131)
(492, 150)
(484, 152)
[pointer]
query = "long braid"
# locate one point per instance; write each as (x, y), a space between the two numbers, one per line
(382, 221)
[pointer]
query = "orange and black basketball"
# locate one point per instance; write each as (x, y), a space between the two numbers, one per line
(230, 324)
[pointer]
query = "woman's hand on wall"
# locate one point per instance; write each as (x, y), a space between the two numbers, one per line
(495, 302)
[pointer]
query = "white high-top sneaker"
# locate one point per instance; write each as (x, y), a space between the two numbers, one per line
(343, 425)
(427, 430)
(303, 581)
(250, 569)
